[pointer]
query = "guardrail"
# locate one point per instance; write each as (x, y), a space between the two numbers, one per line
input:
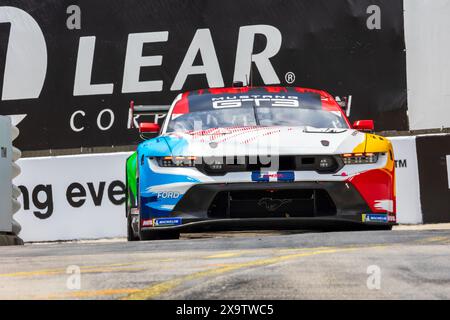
(9, 228)
(16, 154)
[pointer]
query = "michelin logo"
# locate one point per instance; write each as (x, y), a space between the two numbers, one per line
(375, 218)
(165, 222)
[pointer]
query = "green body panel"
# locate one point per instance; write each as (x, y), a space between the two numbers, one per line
(132, 179)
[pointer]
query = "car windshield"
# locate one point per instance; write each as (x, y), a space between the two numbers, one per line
(227, 111)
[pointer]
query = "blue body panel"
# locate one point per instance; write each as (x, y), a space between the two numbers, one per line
(158, 202)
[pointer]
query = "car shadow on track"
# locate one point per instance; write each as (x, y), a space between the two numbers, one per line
(245, 234)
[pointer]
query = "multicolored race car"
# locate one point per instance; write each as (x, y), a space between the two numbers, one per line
(257, 158)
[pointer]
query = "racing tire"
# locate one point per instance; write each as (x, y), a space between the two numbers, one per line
(159, 235)
(130, 232)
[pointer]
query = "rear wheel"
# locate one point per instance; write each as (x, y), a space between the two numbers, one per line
(159, 235)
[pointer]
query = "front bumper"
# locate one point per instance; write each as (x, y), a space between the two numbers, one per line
(343, 199)
(273, 205)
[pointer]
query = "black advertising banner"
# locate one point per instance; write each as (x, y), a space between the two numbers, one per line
(433, 156)
(70, 68)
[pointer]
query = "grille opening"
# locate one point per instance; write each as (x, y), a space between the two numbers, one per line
(272, 204)
(324, 204)
(219, 206)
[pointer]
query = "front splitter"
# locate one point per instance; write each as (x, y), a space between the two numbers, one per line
(323, 224)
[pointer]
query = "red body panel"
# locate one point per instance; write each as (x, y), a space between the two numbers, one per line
(377, 188)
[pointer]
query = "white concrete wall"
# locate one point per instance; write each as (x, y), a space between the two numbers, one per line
(49, 178)
(427, 33)
(409, 210)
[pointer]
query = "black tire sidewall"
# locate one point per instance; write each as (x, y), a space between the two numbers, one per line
(130, 233)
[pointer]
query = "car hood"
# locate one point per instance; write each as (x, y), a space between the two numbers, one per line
(263, 140)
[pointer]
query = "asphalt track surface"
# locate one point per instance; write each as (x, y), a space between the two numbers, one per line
(399, 264)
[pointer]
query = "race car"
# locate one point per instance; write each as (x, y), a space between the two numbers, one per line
(244, 158)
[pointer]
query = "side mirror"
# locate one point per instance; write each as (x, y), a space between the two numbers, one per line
(364, 125)
(148, 127)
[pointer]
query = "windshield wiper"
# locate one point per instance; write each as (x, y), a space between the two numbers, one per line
(256, 115)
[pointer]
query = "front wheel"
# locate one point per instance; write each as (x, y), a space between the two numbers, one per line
(130, 232)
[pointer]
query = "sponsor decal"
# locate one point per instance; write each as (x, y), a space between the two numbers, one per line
(147, 223)
(161, 222)
(168, 195)
(63, 199)
(259, 101)
(164, 222)
(273, 176)
(77, 195)
(24, 73)
(92, 74)
(375, 218)
(387, 205)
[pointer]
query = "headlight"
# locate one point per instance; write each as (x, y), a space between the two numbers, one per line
(177, 161)
(360, 158)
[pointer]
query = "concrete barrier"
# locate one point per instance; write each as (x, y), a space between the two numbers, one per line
(407, 180)
(79, 196)
(9, 194)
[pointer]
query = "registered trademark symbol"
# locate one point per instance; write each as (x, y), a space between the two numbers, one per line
(290, 77)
